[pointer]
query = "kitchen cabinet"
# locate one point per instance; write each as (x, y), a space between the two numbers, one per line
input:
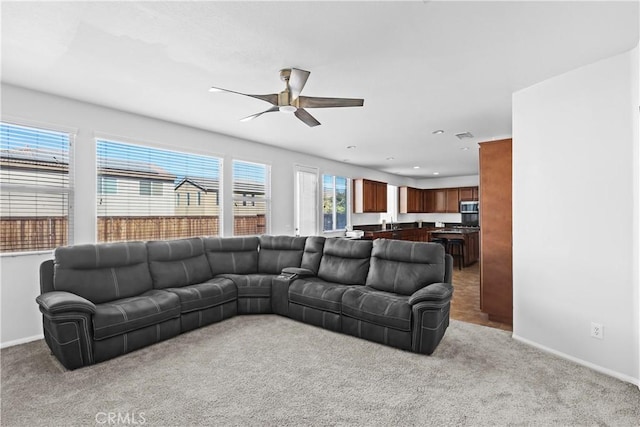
(468, 193)
(410, 200)
(369, 196)
(410, 234)
(427, 201)
(439, 200)
(434, 200)
(445, 200)
(496, 258)
(453, 200)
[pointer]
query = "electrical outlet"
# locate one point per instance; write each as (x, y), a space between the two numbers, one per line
(597, 330)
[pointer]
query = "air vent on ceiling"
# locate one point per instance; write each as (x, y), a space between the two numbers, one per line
(464, 135)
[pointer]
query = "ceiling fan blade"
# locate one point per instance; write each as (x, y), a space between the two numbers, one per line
(253, 116)
(307, 118)
(315, 102)
(271, 98)
(297, 80)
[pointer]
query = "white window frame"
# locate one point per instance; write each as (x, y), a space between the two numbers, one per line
(69, 190)
(247, 198)
(334, 213)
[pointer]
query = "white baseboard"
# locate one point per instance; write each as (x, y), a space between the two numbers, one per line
(611, 373)
(21, 341)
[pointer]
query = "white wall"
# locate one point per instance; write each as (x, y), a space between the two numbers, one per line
(450, 181)
(575, 207)
(19, 317)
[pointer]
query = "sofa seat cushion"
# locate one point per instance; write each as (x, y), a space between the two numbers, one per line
(317, 293)
(125, 315)
(377, 307)
(205, 295)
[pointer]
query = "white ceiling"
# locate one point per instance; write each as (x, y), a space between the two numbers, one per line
(420, 66)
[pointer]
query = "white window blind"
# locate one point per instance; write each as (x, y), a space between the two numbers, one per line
(147, 193)
(36, 188)
(334, 202)
(251, 198)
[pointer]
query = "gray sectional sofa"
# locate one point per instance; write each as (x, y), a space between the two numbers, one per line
(99, 301)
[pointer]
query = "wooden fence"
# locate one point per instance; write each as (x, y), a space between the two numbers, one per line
(120, 228)
(21, 234)
(42, 233)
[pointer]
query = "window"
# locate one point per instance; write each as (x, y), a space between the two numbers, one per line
(251, 183)
(36, 188)
(165, 179)
(334, 202)
(107, 185)
(145, 188)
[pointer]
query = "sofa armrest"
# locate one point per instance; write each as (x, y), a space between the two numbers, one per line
(432, 292)
(296, 272)
(60, 302)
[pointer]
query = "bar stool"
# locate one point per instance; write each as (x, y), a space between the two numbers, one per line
(440, 240)
(455, 248)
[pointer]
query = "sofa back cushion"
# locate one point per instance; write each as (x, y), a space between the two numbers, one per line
(102, 272)
(232, 255)
(312, 255)
(278, 252)
(177, 263)
(345, 261)
(404, 267)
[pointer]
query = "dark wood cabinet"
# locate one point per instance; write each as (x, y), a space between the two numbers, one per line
(411, 234)
(369, 196)
(410, 200)
(439, 200)
(468, 193)
(434, 200)
(496, 258)
(453, 200)
(428, 204)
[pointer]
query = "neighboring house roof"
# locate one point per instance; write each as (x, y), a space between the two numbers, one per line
(133, 168)
(210, 184)
(34, 158)
(39, 159)
(205, 184)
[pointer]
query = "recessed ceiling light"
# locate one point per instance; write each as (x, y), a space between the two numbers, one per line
(436, 173)
(391, 158)
(416, 167)
(349, 147)
(437, 132)
(464, 148)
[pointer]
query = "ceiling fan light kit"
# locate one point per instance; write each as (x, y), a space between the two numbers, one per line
(290, 100)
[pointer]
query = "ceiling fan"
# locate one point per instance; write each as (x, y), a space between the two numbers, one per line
(290, 100)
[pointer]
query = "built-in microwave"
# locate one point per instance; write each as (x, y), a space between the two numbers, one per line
(470, 206)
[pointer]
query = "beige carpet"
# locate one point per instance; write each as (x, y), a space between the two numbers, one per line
(269, 370)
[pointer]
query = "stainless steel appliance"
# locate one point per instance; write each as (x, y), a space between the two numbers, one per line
(469, 211)
(470, 206)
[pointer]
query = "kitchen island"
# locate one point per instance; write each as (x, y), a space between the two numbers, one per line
(413, 233)
(471, 239)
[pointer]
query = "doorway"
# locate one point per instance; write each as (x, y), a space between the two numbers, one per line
(306, 201)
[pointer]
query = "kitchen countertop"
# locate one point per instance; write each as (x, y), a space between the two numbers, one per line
(455, 231)
(429, 229)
